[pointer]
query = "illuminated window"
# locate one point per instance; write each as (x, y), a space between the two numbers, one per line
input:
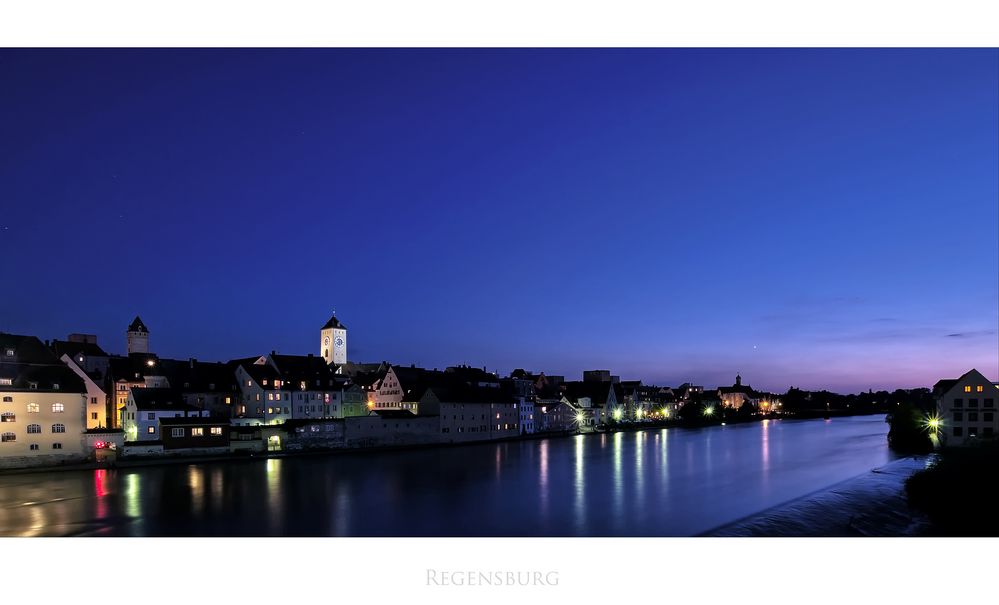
(967, 389)
(7, 417)
(58, 428)
(265, 383)
(197, 432)
(58, 407)
(216, 430)
(6, 381)
(34, 428)
(979, 388)
(178, 432)
(270, 396)
(228, 400)
(151, 430)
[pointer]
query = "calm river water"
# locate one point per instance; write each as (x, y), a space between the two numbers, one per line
(663, 482)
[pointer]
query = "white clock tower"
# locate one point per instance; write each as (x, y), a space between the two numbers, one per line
(333, 342)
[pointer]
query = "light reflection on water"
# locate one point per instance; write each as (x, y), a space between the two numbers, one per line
(658, 482)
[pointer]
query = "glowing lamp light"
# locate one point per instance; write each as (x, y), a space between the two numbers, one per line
(617, 414)
(709, 410)
(150, 362)
(638, 414)
(665, 413)
(933, 423)
(580, 417)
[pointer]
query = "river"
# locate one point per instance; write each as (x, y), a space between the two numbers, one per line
(661, 482)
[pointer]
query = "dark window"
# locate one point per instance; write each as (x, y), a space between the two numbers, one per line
(57, 446)
(987, 416)
(957, 431)
(972, 416)
(990, 403)
(958, 402)
(987, 431)
(972, 403)
(958, 416)
(972, 431)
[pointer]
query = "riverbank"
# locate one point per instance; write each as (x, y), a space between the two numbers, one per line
(144, 461)
(872, 504)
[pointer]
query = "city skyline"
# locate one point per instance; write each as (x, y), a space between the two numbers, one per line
(815, 218)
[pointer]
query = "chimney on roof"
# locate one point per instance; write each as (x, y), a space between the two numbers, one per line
(273, 352)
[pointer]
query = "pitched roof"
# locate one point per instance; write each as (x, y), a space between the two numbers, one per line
(193, 420)
(334, 323)
(137, 325)
(134, 367)
(598, 392)
(26, 349)
(73, 348)
(393, 414)
(462, 393)
(160, 399)
(41, 377)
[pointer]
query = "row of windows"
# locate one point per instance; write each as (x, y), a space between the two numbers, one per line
(978, 389)
(33, 429)
(195, 431)
(34, 408)
(973, 431)
(482, 428)
(973, 403)
(973, 416)
(303, 409)
(34, 446)
(31, 385)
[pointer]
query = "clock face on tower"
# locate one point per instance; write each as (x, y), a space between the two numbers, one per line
(338, 342)
(326, 341)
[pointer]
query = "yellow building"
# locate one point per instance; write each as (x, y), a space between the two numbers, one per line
(43, 406)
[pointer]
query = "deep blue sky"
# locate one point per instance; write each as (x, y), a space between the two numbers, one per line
(817, 218)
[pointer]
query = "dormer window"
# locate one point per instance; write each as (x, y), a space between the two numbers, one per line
(979, 388)
(55, 386)
(211, 386)
(6, 381)
(264, 382)
(9, 352)
(967, 389)
(33, 385)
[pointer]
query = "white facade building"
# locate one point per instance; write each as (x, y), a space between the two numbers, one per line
(967, 409)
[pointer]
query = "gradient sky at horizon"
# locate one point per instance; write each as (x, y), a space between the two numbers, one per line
(816, 218)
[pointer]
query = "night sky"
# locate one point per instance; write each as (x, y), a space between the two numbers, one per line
(816, 218)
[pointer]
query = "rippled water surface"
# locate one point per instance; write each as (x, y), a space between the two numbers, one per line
(663, 482)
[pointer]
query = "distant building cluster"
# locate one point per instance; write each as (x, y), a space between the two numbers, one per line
(68, 401)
